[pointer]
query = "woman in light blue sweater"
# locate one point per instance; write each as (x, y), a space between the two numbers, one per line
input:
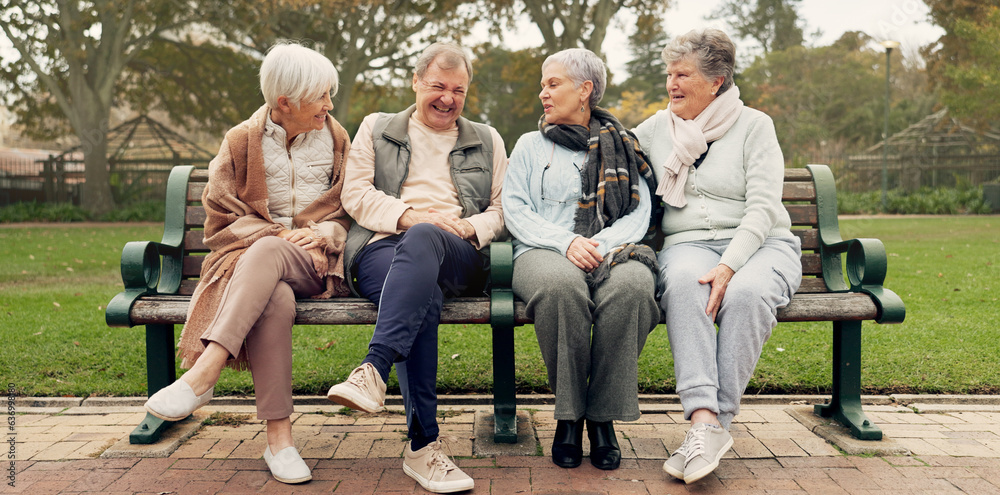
(577, 198)
(729, 256)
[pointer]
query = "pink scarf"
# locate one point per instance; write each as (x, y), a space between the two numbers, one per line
(691, 138)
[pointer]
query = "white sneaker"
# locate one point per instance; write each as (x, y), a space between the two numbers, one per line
(433, 469)
(364, 390)
(706, 447)
(176, 401)
(674, 466)
(287, 466)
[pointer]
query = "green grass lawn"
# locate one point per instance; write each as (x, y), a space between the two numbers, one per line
(56, 279)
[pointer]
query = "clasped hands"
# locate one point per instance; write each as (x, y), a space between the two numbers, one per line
(449, 223)
(583, 253)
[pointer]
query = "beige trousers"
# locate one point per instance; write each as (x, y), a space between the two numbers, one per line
(258, 306)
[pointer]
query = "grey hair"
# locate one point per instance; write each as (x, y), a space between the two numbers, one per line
(582, 65)
(296, 72)
(447, 56)
(711, 50)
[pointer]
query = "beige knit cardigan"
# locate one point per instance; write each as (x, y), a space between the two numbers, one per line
(235, 202)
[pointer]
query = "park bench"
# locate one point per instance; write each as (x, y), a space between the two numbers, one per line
(159, 278)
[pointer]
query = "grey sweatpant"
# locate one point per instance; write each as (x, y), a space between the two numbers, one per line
(713, 367)
(590, 339)
(258, 306)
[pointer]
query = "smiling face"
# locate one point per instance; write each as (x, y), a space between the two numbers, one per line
(689, 91)
(308, 116)
(441, 95)
(560, 100)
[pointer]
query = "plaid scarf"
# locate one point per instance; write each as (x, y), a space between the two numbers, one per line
(610, 175)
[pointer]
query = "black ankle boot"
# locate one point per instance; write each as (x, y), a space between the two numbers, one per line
(567, 446)
(604, 450)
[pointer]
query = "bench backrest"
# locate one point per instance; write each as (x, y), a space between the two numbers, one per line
(798, 195)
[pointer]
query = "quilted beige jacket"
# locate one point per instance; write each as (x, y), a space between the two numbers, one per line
(236, 204)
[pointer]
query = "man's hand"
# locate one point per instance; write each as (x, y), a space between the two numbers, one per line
(718, 277)
(449, 223)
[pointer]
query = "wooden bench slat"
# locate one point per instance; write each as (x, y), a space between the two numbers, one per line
(476, 310)
(809, 238)
(348, 311)
(195, 216)
(803, 214)
(798, 191)
(194, 241)
(810, 285)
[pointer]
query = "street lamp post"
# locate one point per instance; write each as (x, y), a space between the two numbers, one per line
(889, 45)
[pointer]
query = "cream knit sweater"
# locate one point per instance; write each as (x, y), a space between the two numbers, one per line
(734, 194)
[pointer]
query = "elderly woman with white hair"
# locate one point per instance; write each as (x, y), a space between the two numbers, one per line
(276, 230)
(729, 258)
(577, 199)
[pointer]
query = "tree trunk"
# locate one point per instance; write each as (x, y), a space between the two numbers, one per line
(91, 127)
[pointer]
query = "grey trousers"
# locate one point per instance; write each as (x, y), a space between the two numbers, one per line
(713, 367)
(590, 339)
(258, 306)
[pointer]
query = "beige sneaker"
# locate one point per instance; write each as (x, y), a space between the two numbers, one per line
(364, 390)
(706, 447)
(433, 469)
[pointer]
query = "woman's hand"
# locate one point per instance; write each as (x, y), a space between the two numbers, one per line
(300, 237)
(583, 253)
(718, 277)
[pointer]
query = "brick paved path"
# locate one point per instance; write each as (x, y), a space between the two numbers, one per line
(778, 449)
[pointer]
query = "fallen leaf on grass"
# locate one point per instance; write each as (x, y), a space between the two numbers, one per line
(327, 346)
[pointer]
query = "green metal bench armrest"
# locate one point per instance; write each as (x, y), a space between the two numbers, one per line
(501, 294)
(154, 267)
(866, 261)
(501, 264)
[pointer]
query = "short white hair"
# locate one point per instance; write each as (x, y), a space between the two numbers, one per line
(296, 72)
(582, 65)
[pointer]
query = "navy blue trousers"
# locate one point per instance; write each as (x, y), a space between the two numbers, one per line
(408, 276)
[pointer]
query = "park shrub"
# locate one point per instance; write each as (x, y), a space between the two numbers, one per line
(43, 212)
(144, 211)
(923, 201)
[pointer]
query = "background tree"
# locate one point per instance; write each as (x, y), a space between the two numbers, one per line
(505, 91)
(72, 55)
(574, 23)
(360, 37)
(967, 58)
(645, 90)
(774, 24)
(828, 99)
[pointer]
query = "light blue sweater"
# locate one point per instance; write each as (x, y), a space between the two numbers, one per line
(540, 195)
(734, 194)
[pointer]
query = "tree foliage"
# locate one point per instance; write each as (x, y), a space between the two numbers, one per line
(774, 24)
(575, 23)
(967, 58)
(830, 98)
(505, 91)
(71, 58)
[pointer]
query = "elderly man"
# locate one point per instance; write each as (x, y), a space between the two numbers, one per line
(423, 186)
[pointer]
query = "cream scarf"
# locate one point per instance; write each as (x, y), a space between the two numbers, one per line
(691, 138)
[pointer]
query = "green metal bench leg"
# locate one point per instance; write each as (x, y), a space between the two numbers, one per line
(160, 372)
(504, 400)
(845, 404)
